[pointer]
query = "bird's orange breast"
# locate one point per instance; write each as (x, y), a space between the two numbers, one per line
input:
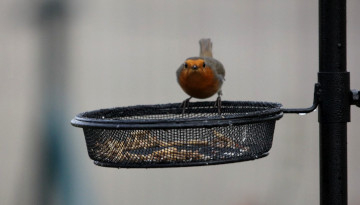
(200, 83)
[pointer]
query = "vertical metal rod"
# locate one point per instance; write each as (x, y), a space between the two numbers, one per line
(334, 106)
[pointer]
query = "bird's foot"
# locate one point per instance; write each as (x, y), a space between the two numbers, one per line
(185, 104)
(218, 104)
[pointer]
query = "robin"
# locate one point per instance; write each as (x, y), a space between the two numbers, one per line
(201, 77)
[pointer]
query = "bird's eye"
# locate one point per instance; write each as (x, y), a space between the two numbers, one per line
(204, 65)
(185, 65)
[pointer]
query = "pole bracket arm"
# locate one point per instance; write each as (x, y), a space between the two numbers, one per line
(309, 109)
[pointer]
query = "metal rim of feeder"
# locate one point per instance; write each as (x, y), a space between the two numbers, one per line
(91, 119)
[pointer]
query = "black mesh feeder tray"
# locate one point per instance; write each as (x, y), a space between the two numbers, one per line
(148, 136)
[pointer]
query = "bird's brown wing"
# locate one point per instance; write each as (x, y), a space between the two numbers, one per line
(217, 66)
(220, 70)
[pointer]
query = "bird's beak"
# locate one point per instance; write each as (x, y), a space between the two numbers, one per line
(194, 67)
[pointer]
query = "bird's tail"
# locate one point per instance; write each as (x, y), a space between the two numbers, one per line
(205, 47)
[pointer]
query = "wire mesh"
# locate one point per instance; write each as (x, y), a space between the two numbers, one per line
(161, 136)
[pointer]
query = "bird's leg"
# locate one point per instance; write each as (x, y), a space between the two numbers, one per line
(218, 104)
(185, 104)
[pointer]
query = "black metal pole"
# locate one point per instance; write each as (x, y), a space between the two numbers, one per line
(334, 105)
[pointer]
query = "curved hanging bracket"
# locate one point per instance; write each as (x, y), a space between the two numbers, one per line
(309, 109)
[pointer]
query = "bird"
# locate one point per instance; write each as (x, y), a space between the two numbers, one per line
(202, 76)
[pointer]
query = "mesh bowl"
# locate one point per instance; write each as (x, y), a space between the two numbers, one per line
(147, 136)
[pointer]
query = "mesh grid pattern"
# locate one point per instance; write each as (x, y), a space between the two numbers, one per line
(132, 138)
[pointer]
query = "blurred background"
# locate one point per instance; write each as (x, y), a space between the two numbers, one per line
(62, 57)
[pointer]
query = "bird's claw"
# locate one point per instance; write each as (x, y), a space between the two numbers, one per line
(185, 104)
(218, 104)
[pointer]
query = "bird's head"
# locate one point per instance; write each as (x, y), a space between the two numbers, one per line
(194, 64)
